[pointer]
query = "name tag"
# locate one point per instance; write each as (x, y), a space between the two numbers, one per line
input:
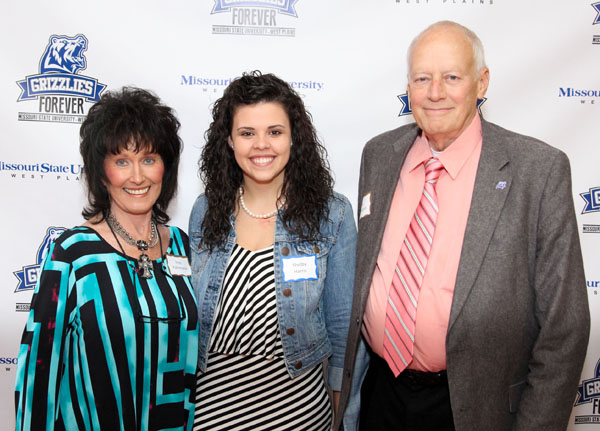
(300, 268)
(365, 207)
(179, 265)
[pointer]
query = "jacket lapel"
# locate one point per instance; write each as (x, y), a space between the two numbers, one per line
(371, 228)
(492, 184)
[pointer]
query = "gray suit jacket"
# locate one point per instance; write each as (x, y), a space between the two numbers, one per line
(519, 322)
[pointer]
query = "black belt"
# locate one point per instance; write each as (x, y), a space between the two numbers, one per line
(424, 378)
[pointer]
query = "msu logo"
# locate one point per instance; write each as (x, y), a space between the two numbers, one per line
(589, 393)
(58, 87)
(64, 54)
(28, 275)
(51, 234)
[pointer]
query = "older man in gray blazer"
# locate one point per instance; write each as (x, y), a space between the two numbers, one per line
(469, 290)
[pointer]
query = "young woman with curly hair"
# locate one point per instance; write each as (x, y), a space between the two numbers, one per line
(273, 249)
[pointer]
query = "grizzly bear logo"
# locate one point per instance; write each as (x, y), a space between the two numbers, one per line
(51, 235)
(64, 54)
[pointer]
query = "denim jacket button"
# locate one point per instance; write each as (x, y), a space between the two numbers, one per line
(285, 251)
(287, 292)
(317, 249)
(290, 331)
(298, 365)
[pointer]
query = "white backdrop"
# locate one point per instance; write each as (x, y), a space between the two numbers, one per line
(345, 57)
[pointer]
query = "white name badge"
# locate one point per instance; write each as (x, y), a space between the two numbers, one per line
(300, 268)
(179, 265)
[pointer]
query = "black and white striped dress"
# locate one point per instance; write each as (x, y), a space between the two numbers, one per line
(246, 385)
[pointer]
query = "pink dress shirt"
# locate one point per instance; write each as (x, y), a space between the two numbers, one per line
(454, 189)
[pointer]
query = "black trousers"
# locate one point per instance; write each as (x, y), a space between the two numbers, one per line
(403, 403)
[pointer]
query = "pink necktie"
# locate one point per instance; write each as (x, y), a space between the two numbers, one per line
(410, 270)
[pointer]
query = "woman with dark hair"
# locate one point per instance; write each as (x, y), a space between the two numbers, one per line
(272, 265)
(111, 340)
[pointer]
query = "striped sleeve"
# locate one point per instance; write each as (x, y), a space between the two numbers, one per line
(39, 363)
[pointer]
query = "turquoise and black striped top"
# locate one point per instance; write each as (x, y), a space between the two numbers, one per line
(104, 349)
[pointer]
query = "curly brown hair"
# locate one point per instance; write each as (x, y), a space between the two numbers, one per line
(307, 182)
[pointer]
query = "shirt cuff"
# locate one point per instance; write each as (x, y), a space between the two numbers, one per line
(334, 378)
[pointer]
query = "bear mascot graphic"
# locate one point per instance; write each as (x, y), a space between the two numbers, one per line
(64, 54)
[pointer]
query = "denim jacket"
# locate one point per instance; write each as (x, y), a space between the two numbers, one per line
(313, 314)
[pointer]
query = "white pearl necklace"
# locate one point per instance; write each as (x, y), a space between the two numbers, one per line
(260, 216)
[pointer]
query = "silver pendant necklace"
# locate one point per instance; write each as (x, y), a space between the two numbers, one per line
(144, 262)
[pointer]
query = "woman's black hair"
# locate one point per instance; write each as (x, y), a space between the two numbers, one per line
(307, 182)
(134, 119)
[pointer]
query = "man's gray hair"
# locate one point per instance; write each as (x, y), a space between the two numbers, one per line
(478, 55)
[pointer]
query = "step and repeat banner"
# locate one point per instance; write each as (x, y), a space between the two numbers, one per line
(347, 59)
